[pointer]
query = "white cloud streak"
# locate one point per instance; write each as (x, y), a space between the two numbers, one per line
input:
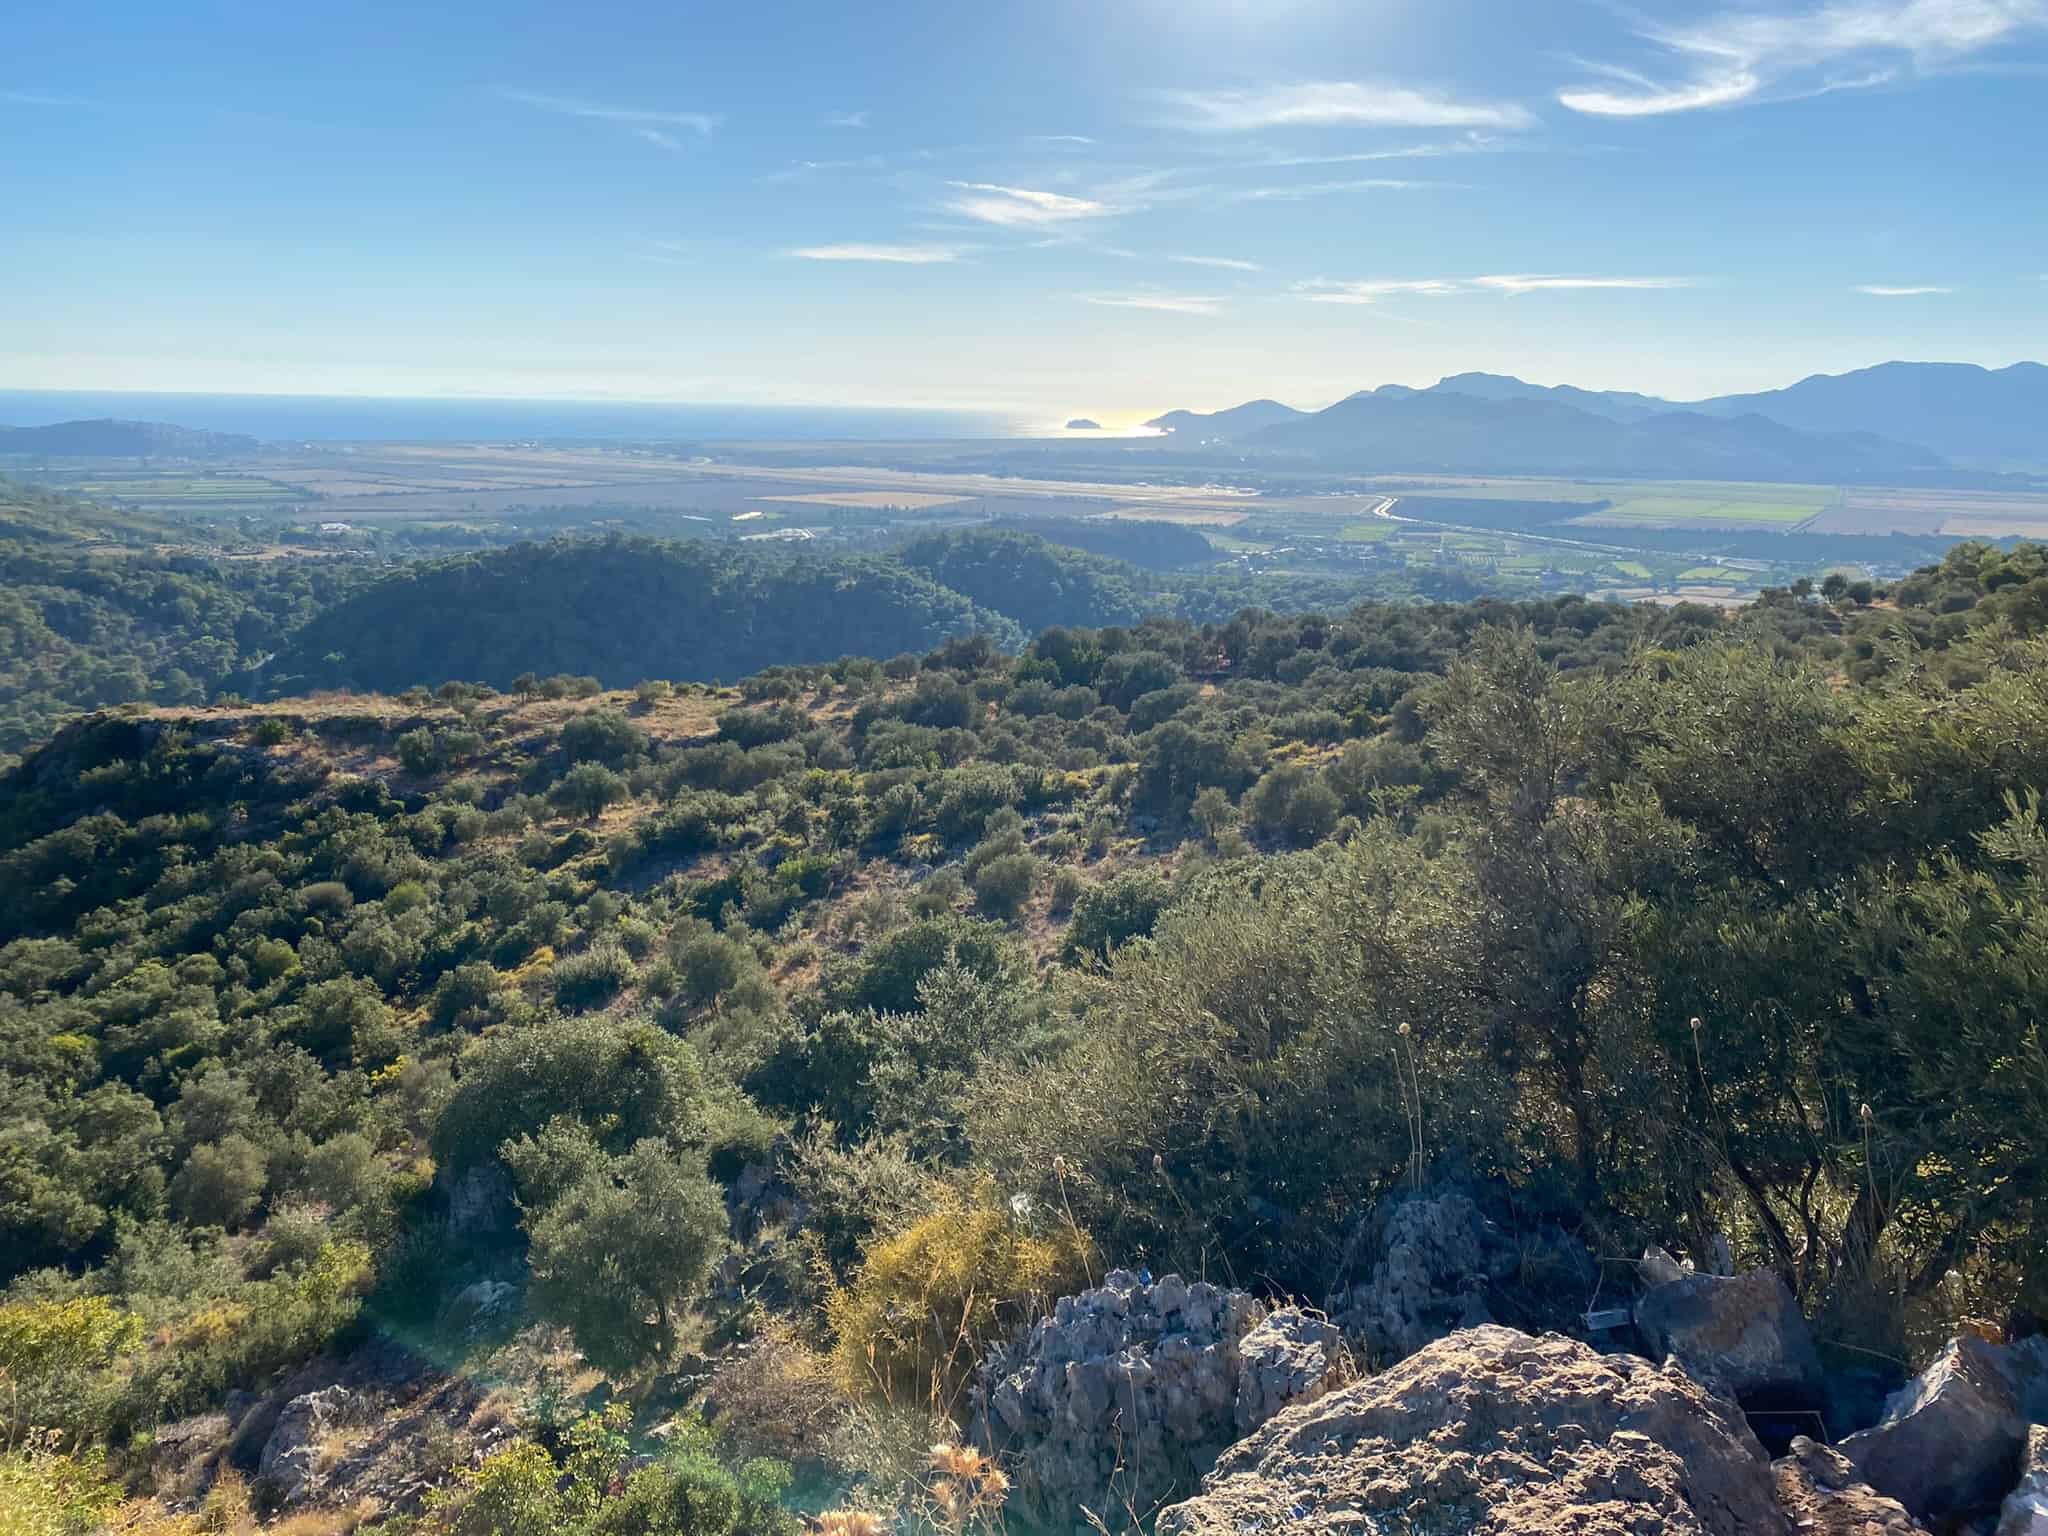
(901, 255)
(1521, 283)
(1301, 191)
(1335, 103)
(1747, 55)
(846, 120)
(1476, 144)
(1224, 263)
(700, 123)
(1167, 303)
(41, 99)
(1884, 291)
(1023, 207)
(1374, 290)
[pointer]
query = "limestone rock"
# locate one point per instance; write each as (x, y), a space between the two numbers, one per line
(1494, 1430)
(291, 1456)
(1289, 1357)
(483, 1303)
(1824, 1494)
(1742, 1333)
(1951, 1440)
(2025, 1511)
(1434, 1260)
(480, 1202)
(1123, 1397)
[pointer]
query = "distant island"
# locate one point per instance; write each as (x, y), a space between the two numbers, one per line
(1083, 424)
(122, 439)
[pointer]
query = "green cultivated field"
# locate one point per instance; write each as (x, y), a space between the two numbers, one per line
(1677, 511)
(178, 491)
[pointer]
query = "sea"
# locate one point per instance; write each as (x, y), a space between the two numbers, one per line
(357, 418)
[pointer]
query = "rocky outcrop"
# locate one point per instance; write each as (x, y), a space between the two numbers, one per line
(1434, 1259)
(1743, 1334)
(1494, 1430)
(480, 1202)
(1123, 1397)
(291, 1456)
(1952, 1439)
(2025, 1511)
(1824, 1494)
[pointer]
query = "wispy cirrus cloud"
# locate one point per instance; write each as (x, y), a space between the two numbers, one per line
(1910, 291)
(1023, 207)
(1336, 103)
(846, 119)
(902, 255)
(1749, 55)
(21, 98)
(1472, 144)
(1058, 138)
(1374, 290)
(1520, 283)
(1165, 303)
(1224, 263)
(1302, 190)
(700, 123)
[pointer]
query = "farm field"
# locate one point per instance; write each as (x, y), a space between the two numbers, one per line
(915, 501)
(1683, 511)
(179, 492)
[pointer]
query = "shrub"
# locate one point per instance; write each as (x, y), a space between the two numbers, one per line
(1114, 913)
(689, 1492)
(615, 1257)
(44, 1492)
(586, 790)
(593, 976)
(709, 965)
(52, 1358)
(1003, 885)
(779, 1398)
(930, 1301)
(220, 1183)
(627, 1078)
(602, 736)
(1295, 802)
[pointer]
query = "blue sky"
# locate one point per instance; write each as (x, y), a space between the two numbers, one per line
(1109, 208)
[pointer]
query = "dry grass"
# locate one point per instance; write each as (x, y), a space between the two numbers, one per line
(779, 1398)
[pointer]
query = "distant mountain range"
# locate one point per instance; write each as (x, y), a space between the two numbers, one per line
(121, 440)
(1892, 419)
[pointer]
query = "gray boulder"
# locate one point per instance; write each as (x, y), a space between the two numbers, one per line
(1742, 1334)
(292, 1455)
(2025, 1511)
(1952, 1439)
(1123, 1397)
(480, 1202)
(1492, 1430)
(1434, 1260)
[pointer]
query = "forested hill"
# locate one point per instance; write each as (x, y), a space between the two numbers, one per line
(84, 626)
(621, 609)
(603, 1046)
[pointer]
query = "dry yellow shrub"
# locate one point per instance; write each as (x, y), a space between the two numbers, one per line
(930, 1300)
